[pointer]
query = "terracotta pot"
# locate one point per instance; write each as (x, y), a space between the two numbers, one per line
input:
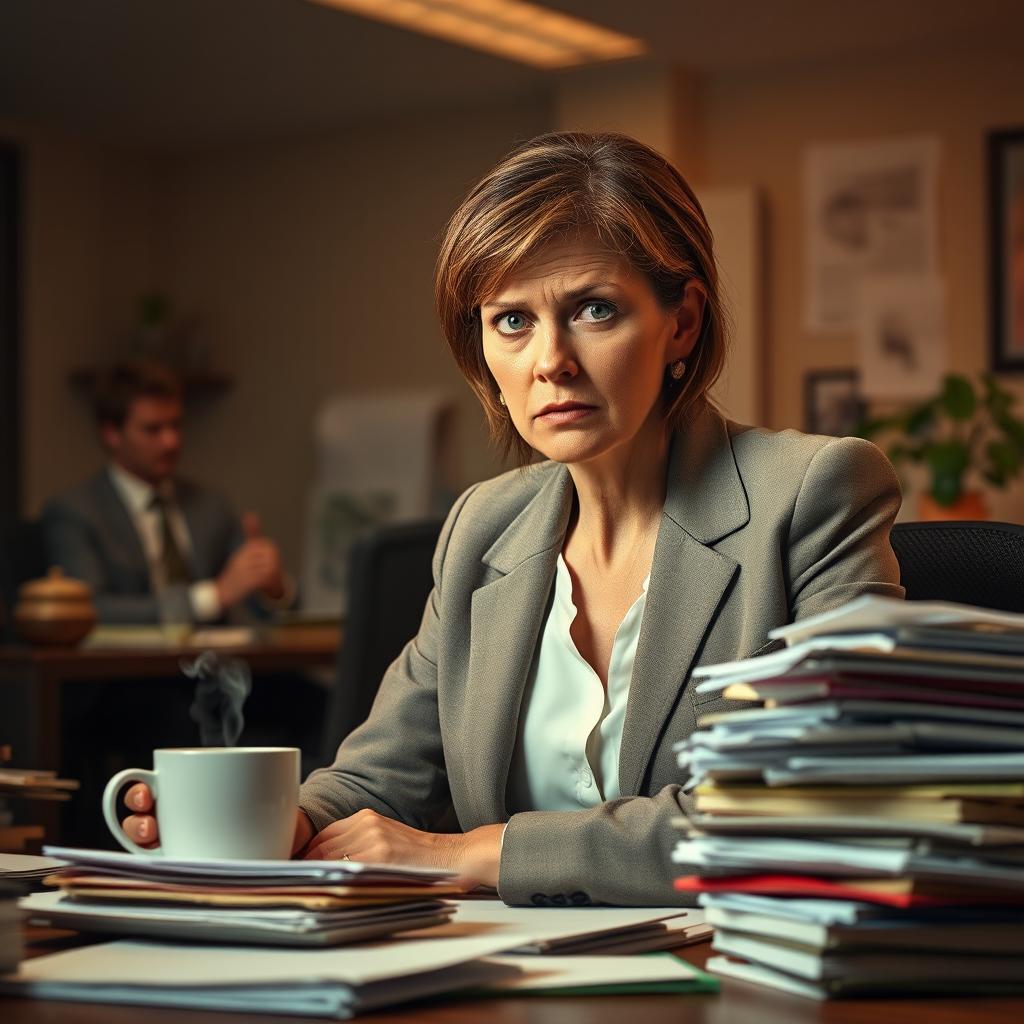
(55, 611)
(971, 505)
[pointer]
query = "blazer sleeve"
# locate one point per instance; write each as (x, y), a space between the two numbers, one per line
(620, 852)
(70, 543)
(394, 762)
(838, 546)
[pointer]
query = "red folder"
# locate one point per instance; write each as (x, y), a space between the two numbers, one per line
(891, 892)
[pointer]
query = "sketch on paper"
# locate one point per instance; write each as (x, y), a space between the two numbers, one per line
(903, 337)
(869, 209)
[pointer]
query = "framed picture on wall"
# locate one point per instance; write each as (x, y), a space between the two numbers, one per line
(1006, 242)
(832, 402)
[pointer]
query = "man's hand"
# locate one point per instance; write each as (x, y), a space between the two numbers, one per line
(372, 838)
(256, 565)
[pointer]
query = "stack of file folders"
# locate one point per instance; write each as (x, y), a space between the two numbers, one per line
(863, 830)
(279, 903)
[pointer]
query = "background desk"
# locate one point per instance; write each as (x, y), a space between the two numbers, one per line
(33, 684)
(738, 1003)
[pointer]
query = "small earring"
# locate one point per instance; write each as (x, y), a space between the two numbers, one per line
(501, 398)
(677, 369)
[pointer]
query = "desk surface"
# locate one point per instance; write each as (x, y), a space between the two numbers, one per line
(285, 649)
(738, 1003)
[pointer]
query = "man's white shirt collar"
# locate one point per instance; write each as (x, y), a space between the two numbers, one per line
(135, 492)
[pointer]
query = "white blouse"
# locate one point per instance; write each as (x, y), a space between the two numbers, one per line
(567, 748)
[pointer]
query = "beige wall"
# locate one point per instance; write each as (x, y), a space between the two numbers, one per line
(310, 266)
(757, 128)
(309, 263)
(88, 251)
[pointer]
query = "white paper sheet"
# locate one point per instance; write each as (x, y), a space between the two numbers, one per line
(870, 208)
(537, 929)
(252, 872)
(539, 973)
(180, 965)
(871, 612)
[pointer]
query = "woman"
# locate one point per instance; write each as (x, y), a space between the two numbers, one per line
(524, 737)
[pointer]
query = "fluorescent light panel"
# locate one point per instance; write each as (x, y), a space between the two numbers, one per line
(512, 29)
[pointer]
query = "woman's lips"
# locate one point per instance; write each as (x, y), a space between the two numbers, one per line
(567, 412)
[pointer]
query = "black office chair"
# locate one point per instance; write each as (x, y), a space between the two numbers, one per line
(980, 563)
(389, 580)
(22, 558)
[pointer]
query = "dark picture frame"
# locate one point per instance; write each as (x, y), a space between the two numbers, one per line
(1006, 249)
(832, 402)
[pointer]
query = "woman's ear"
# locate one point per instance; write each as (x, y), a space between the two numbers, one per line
(688, 319)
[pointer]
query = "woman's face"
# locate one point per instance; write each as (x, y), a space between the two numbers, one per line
(578, 344)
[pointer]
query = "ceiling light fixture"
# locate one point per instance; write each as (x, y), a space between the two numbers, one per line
(513, 29)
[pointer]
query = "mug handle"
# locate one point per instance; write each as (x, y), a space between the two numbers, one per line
(110, 795)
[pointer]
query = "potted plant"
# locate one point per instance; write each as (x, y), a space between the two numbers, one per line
(962, 436)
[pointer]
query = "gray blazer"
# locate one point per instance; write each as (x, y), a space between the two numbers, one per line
(759, 528)
(90, 534)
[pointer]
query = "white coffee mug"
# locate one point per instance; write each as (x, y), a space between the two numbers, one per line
(216, 803)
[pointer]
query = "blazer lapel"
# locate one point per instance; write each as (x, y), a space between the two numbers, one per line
(705, 501)
(506, 617)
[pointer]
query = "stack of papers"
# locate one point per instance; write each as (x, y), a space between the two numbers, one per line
(823, 948)
(335, 983)
(26, 867)
(281, 903)
(875, 801)
(35, 784)
(486, 948)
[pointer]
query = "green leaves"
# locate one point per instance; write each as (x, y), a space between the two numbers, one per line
(947, 461)
(958, 398)
(961, 429)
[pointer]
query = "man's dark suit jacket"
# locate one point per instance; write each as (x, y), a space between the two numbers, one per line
(89, 533)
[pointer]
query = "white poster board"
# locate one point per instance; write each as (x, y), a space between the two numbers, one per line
(870, 208)
(379, 460)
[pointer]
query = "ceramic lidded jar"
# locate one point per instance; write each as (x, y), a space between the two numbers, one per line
(54, 611)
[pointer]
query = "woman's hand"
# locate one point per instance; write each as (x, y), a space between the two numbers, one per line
(142, 827)
(370, 837)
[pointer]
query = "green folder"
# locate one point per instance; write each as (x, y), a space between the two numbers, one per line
(701, 982)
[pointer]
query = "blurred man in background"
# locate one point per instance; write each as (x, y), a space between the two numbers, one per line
(153, 547)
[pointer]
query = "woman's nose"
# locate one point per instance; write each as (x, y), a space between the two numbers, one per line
(555, 358)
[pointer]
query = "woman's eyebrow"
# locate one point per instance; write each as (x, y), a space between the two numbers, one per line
(571, 295)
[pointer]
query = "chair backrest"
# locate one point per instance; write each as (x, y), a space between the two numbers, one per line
(980, 563)
(22, 558)
(389, 581)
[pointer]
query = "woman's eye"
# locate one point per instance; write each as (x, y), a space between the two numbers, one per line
(595, 312)
(510, 323)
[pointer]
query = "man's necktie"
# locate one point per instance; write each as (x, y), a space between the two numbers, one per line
(172, 559)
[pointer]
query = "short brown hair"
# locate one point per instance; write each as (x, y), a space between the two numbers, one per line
(122, 384)
(637, 202)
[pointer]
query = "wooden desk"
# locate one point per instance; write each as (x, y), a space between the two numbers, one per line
(33, 681)
(737, 1003)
